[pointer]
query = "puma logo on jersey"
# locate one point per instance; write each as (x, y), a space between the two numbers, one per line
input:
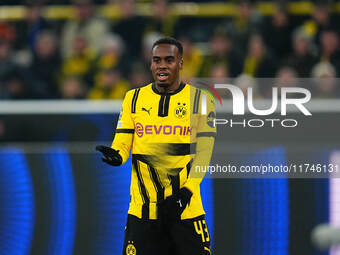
(145, 110)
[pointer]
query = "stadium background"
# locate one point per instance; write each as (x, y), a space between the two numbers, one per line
(56, 197)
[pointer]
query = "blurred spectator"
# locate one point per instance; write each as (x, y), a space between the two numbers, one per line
(285, 77)
(81, 61)
(329, 49)
(244, 82)
(8, 36)
(16, 80)
(161, 21)
(46, 64)
(73, 87)
(324, 83)
(110, 85)
(112, 55)
(192, 57)
(7, 32)
(91, 28)
(247, 22)
(219, 71)
(222, 53)
(321, 20)
(278, 33)
(7, 63)
(302, 59)
(91, 49)
(17, 86)
(33, 25)
(259, 62)
(139, 75)
(130, 27)
(145, 59)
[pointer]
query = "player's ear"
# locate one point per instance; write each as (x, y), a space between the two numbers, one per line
(181, 64)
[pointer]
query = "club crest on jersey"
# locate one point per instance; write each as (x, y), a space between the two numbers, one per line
(131, 249)
(181, 110)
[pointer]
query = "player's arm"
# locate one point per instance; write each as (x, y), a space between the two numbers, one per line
(204, 151)
(119, 151)
(205, 139)
(175, 204)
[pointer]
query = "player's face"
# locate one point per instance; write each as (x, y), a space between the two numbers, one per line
(165, 65)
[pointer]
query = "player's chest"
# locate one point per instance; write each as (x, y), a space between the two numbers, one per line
(172, 110)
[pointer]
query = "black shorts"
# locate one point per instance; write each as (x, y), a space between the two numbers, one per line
(151, 237)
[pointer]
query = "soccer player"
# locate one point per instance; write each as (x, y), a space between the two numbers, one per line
(168, 126)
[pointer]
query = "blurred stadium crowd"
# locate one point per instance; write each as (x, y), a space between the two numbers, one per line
(91, 57)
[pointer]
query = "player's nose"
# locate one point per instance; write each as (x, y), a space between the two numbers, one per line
(162, 65)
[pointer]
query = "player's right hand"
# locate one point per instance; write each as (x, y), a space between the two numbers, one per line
(110, 156)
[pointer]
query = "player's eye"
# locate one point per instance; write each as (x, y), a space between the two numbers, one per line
(156, 60)
(170, 60)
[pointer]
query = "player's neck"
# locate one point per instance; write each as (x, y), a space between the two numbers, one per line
(171, 88)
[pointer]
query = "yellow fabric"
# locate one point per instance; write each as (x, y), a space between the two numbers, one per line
(241, 23)
(78, 65)
(166, 27)
(158, 138)
(107, 61)
(250, 65)
(116, 92)
(324, 58)
(209, 62)
(310, 27)
(192, 64)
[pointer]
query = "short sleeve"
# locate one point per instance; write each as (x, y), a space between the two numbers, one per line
(125, 122)
(125, 129)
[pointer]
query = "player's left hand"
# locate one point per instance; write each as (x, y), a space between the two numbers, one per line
(172, 207)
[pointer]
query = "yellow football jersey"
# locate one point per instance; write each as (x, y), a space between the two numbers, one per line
(167, 135)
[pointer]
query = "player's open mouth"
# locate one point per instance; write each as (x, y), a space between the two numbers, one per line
(162, 76)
